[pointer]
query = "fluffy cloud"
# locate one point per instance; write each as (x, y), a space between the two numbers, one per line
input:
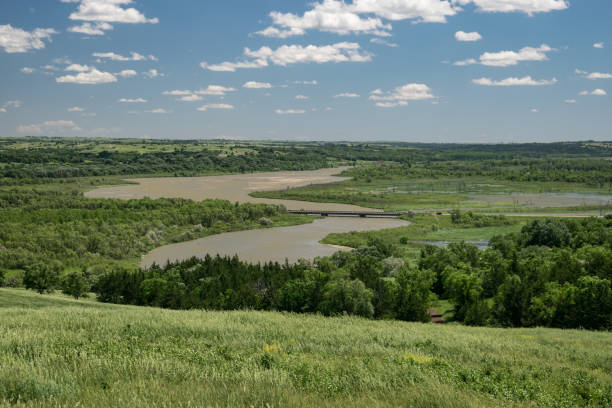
(27, 70)
(76, 109)
(217, 90)
(470, 61)
(347, 95)
(109, 11)
(294, 54)
(513, 81)
(257, 85)
(301, 97)
(49, 127)
(401, 95)
(15, 40)
(594, 75)
(525, 6)
(360, 16)
(330, 16)
(598, 45)
(136, 100)
(78, 68)
(224, 106)
(177, 93)
(159, 111)
(595, 92)
(290, 111)
(134, 56)
(509, 58)
(91, 29)
(127, 73)
(152, 73)
(88, 76)
(191, 98)
(368, 16)
(467, 37)
(194, 96)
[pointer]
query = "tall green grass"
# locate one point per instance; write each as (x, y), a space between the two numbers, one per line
(55, 351)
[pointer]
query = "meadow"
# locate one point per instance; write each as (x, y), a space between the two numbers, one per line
(56, 351)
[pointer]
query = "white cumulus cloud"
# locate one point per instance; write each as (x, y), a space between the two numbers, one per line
(513, 81)
(401, 95)
(223, 106)
(134, 56)
(134, 100)
(467, 37)
(508, 6)
(347, 95)
(257, 85)
(216, 90)
(76, 109)
(91, 29)
(294, 54)
(109, 11)
(92, 76)
(510, 58)
(15, 40)
(27, 70)
(127, 73)
(290, 111)
(357, 17)
(598, 45)
(594, 75)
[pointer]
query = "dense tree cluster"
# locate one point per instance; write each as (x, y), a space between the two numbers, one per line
(555, 273)
(358, 283)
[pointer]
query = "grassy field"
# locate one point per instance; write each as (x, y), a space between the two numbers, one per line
(55, 351)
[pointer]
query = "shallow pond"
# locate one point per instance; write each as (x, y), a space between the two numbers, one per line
(274, 244)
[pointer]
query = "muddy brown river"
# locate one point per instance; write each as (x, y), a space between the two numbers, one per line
(234, 187)
(275, 244)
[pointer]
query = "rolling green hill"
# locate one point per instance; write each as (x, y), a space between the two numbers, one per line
(55, 351)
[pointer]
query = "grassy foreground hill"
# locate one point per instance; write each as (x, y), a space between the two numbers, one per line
(55, 351)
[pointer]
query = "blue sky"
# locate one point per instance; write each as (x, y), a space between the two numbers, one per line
(401, 70)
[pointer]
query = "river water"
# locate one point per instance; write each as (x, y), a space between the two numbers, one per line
(274, 244)
(234, 187)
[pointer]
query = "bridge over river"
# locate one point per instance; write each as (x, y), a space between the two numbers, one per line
(362, 214)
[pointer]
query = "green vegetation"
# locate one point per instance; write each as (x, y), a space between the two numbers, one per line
(511, 184)
(60, 352)
(554, 273)
(425, 228)
(309, 343)
(41, 225)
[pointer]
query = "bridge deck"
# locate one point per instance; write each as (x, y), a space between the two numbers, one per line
(348, 213)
